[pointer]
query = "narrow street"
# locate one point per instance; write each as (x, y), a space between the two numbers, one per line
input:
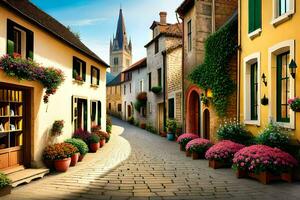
(139, 165)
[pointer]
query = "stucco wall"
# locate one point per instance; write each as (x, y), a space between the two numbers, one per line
(52, 53)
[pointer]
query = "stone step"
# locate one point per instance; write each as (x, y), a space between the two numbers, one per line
(26, 176)
(13, 169)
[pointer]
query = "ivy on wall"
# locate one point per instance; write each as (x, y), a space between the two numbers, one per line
(214, 72)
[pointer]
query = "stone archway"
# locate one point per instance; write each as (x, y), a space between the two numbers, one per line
(206, 124)
(193, 110)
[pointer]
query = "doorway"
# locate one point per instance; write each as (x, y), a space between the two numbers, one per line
(80, 116)
(194, 113)
(206, 124)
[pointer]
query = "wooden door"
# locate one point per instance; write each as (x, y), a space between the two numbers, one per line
(161, 117)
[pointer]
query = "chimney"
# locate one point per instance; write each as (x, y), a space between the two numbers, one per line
(163, 17)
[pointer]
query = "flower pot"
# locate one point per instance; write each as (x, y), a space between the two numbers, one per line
(217, 164)
(195, 156)
(49, 164)
(94, 147)
(102, 143)
(74, 159)
(163, 134)
(241, 173)
(181, 147)
(170, 136)
(143, 126)
(188, 153)
(5, 191)
(62, 165)
(80, 158)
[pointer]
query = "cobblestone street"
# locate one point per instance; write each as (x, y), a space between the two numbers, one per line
(139, 165)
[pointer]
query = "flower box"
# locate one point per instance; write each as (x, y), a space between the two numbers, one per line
(195, 156)
(5, 191)
(188, 153)
(181, 147)
(265, 177)
(218, 164)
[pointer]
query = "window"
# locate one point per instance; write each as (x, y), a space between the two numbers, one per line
(283, 7)
(189, 35)
(119, 107)
(141, 85)
(159, 81)
(283, 88)
(171, 108)
(156, 46)
(79, 113)
(109, 106)
(95, 113)
(150, 107)
(254, 91)
(130, 87)
(149, 81)
(127, 62)
(79, 69)
(282, 10)
(254, 15)
(116, 61)
(95, 76)
(19, 40)
(124, 89)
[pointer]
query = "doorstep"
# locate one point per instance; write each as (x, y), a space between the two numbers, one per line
(21, 175)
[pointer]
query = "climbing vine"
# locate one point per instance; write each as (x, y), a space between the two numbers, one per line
(213, 73)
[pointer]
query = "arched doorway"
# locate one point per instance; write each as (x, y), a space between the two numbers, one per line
(193, 112)
(206, 124)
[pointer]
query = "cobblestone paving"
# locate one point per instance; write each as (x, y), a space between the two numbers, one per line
(155, 169)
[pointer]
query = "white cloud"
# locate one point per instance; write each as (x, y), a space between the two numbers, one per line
(85, 22)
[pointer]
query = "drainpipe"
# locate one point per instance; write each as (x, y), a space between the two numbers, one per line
(238, 61)
(164, 53)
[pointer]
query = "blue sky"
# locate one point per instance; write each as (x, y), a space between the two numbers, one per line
(96, 20)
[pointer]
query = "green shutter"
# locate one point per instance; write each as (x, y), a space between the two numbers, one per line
(83, 71)
(98, 77)
(278, 88)
(171, 108)
(253, 77)
(99, 113)
(251, 6)
(10, 38)
(254, 15)
(257, 14)
(29, 44)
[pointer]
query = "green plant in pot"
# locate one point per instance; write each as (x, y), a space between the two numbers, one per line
(5, 187)
(156, 89)
(94, 144)
(80, 145)
(172, 127)
(57, 127)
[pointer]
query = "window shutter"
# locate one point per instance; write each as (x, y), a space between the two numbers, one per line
(257, 14)
(83, 71)
(29, 44)
(92, 74)
(10, 38)
(98, 77)
(99, 113)
(85, 117)
(74, 67)
(171, 108)
(251, 5)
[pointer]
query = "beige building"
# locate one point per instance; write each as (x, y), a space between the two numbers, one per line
(114, 97)
(164, 61)
(80, 103)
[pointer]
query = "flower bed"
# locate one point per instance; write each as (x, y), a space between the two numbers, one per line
(185, 138)
(23, 69)
(198, 147)
(221, 154)
(264, 163)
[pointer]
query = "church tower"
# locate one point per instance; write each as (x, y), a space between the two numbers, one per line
(120, 49)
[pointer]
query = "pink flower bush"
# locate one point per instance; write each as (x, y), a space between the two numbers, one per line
(261, 158)
(198, 145)
(185, 138)
(294, 103)
(223, 151)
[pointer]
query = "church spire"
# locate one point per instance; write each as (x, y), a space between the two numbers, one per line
(121, 35)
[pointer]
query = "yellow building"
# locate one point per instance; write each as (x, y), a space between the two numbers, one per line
(79, 100)
(269, 40)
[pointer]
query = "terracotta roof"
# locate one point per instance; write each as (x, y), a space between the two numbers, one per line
(185, 6)
(38, 17)
(171, 30)
(139, 64)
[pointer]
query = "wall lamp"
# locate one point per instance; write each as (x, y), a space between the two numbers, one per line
(293, 67)
(264, 79)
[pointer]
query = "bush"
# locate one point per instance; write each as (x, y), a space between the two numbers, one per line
(150, 128)
(94, 139)
(108, 121)
(156, 89)
(79, 144)
(236, 132)
(4, 180)
(198, 145)
(59, 151)
(82, 134)
(108, 129)
(274, 136)
(172, 125)
(261, 158)
(223, 151)
(131, 120)
(185, 138)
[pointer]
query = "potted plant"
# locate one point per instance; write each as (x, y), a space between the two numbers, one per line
(264, 163)
(61, 154)
(108, 124)
(198, 147)
(94, 144)
(184, 139)
(5, 187)
(156, 89)
(143, 125)
(221, 154)
(172, 126)
(80, 145)
(82, 134)
(57, 127)
(294, 104)
(102, 135)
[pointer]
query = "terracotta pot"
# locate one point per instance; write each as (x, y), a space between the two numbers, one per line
(217, 164)
(181, 147)
(74, 159)
(266, 177)
(102, 143)
(94, 147)
(5, 191)
(49, 164)
(62, 165)
(241, 173)
(80, 158)
(188, 153)
(163, 134)
(195, 156)
(143, 126)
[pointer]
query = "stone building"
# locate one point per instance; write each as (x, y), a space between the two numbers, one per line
(164, 73)
(200, 19)
(114, 97)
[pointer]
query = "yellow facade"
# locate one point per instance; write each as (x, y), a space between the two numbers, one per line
(278, 34)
